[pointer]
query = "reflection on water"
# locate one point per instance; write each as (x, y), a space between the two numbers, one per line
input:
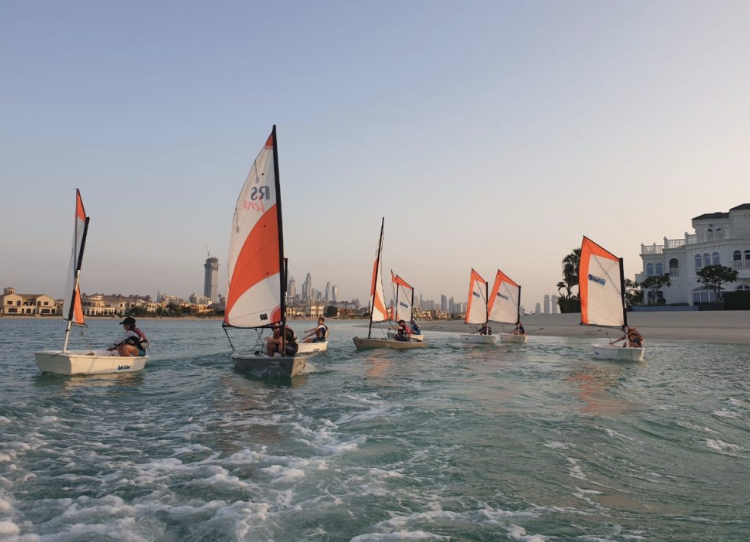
(596, 387)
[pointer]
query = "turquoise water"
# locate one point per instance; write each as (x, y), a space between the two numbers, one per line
(534, 442)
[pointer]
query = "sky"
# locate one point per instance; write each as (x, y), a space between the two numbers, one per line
(490, 134)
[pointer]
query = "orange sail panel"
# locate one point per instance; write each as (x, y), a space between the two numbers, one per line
(254, 265)
(476, 307)
(600, 287)
(379, 311)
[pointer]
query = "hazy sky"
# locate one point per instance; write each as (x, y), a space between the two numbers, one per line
(490, 134)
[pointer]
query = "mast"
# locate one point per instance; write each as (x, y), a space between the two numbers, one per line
(486, 304)
(282, 260)
(375, 278)
(622, 293)
(518, 310)
(79, 260)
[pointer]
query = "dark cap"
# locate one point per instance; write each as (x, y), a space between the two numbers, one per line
(129, 321)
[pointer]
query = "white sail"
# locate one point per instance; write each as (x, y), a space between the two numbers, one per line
(404, 296)
(600, 286)
(476, 306)
(254, 297)
(379, 310)
(504, 300)
(72, 306)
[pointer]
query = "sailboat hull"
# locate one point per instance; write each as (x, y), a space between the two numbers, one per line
(261, 365)
(363, 343)
(478, 339)
(392, 335)
(82, 363)
(512, 338)
(614, 352)
(312, 348)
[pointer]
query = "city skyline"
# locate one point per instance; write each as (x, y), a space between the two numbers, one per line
(491, 137)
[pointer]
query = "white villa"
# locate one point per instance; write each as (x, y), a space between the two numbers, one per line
(719, 238)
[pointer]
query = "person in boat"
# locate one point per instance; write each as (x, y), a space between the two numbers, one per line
(318, 334)
(402, 332)
(633, 336)
(485, 329)
(133, 343)
(415, 328)
(274, 342)
(520, 330)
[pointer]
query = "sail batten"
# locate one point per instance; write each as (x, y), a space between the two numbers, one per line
(255, 296)
(505, 300)
(600, 286)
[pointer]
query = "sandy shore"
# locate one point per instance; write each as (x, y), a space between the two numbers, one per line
(726, 327)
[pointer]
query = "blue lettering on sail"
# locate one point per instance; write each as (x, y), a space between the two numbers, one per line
(503, 296)
(401, 303)
(475, 294)
(597, 280)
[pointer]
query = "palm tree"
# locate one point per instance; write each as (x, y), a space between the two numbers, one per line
(570, 271)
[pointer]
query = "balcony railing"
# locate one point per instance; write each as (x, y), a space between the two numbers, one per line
(741, 265)
(695, 239)
(674, 272)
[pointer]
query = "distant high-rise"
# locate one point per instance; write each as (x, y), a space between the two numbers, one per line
(443, 303)
(335, 294)
(291, 291)
(307, 287)
(211, 281)
(546, 303)
(328, 291)
(553, 302)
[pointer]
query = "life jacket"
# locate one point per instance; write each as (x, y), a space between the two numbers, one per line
(291, 345)
(143, 341)
(635, 337)
(321, 333)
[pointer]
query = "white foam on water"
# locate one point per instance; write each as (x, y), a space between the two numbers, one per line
(191, 448)
(4, 420)
(555, 445)
(575, 470)
(401, 535)
(343, 447)
(723, 447)
(613, 433)
(10, 456)
(724, 413)
(221, 477)
(380, 473)
(688, 425)
(8, 528)
(284, 474)
(5, 506)
(519, 533)
(48, 419)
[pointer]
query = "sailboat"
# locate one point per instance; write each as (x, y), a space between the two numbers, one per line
(505, 306)
(403, 307)
(68, 362)
(256, 296)
(477, 310)
(378, 310)
(602, 292)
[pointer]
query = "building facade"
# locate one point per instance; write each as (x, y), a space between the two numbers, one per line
(718, 239)
(211, 280)
(14, 304)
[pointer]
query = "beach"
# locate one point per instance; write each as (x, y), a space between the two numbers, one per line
(723, 327)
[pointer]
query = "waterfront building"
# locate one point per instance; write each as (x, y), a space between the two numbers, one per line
(718, 239)
(211, 281)
(26, 304)
(546, 303)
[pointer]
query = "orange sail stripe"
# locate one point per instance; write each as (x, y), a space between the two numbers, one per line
(80, 211)
(258, 259)
(78, 308)
(475, 277)
(398, 280)
(588, 249)
(374, 284)
(380, 305)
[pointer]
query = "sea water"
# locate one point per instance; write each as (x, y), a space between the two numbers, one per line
(536, 442)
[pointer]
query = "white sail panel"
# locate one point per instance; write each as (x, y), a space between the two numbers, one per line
(404, 295)
(504, 300)
(600, 286)
(254, 264)
(379, 311)
(476, 307)
(72, 306)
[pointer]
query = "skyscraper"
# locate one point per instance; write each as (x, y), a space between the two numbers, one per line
(307, 287)
(335, 293)
(328, 291)
(211, 281)
(291, 291)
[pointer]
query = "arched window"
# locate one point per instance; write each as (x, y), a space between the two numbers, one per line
(742, 287)
(674, 267)
(737, 256)
(715, 259)
(747, 254)
(659, 269)
(706, 259)
(698, 263)
(649, 270)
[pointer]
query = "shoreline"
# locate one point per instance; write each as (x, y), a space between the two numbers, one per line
(722, 327)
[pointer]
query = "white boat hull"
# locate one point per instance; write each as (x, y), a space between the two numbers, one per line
(263, 365)
(512, 338)
(363, 343)
(312, 348)
(82, 363)
(614, 352)
(478, 339)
